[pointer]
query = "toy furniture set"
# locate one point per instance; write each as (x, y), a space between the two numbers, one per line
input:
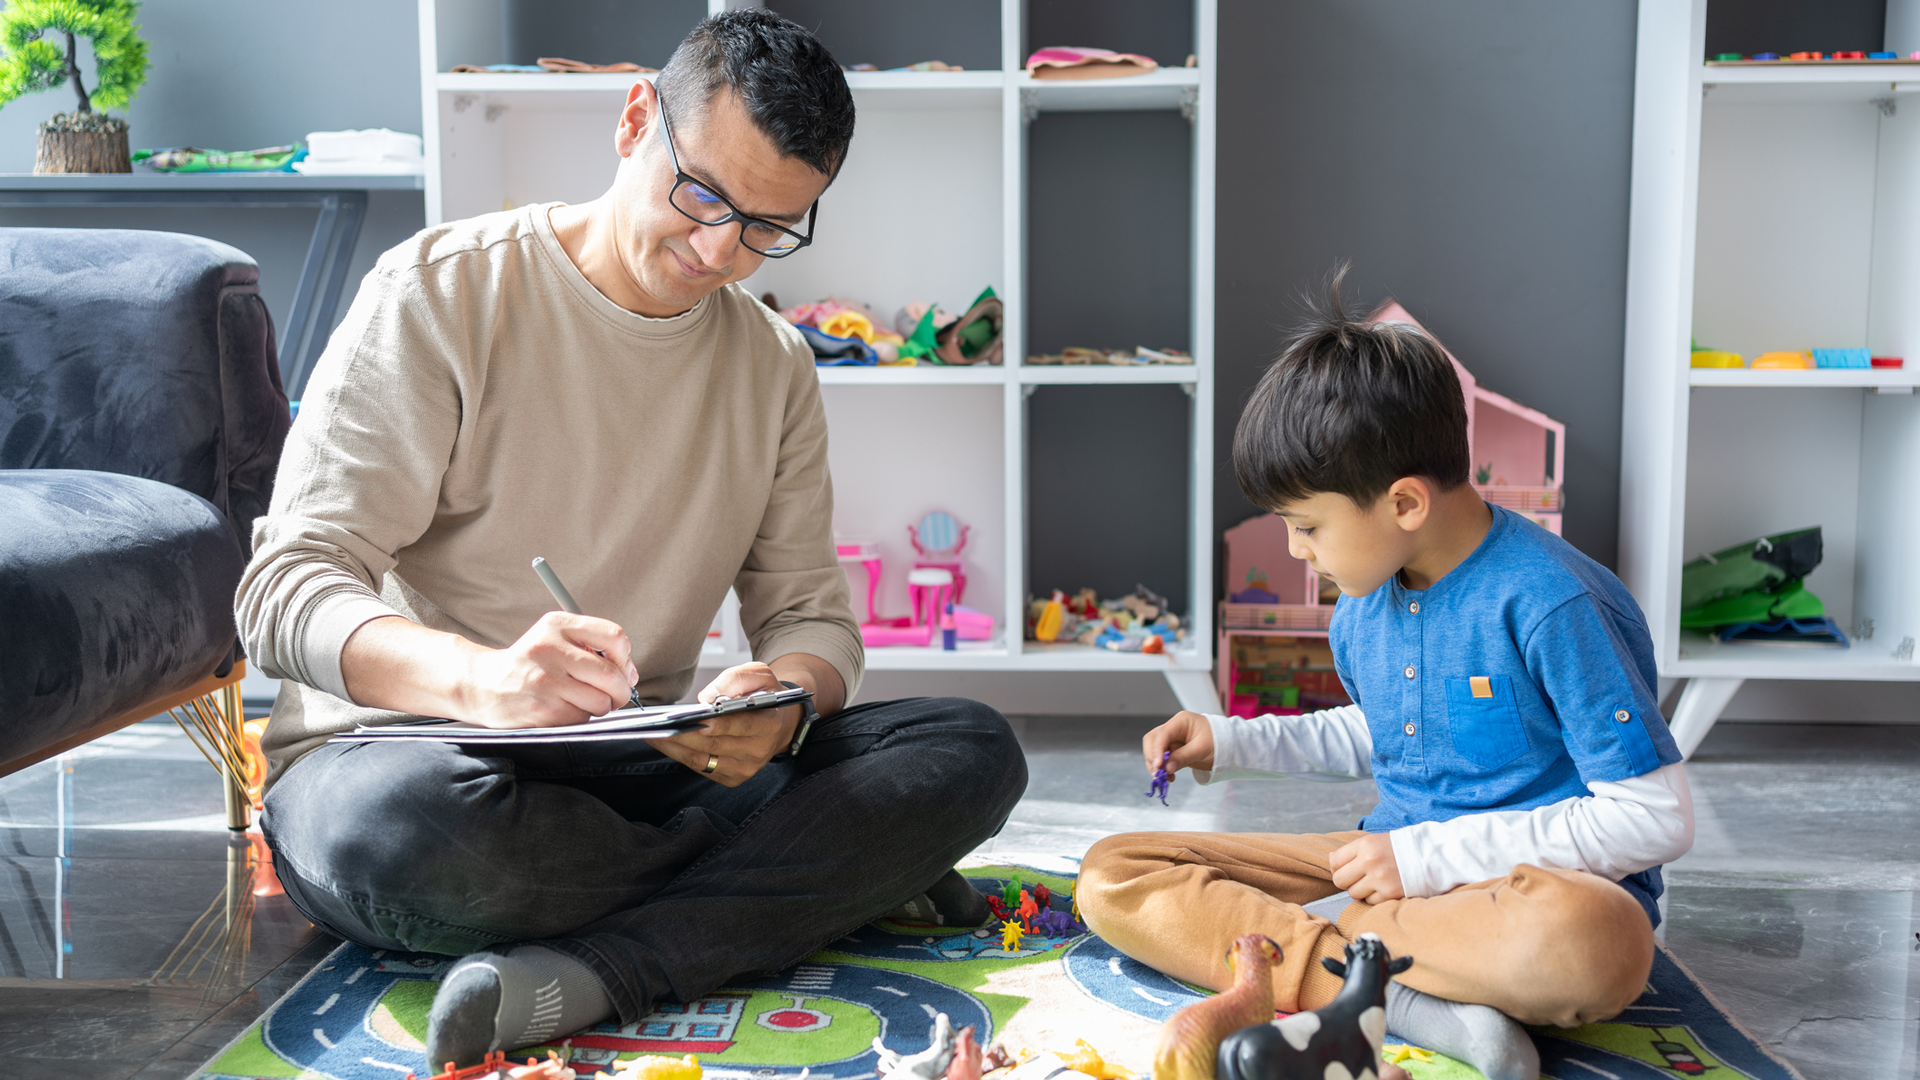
(139, 435)
(935, 585)
(1518, 457)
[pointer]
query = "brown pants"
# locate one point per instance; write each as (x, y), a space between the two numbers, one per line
(1556, 947)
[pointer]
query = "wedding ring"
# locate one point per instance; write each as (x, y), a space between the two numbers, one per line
(713, 762)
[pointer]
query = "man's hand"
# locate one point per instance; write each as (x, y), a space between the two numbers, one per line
(1190, 738)
(565, 670)
(742, 742)
(1367, 870)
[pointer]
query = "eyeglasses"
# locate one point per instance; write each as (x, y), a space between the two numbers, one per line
(709, 207)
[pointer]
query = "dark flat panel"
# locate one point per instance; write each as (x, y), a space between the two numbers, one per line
(1107, 490)
(1472, 158)
(1162, 29)
(1790, 26)
(599, 31)
(1108, 199)
(895, 33)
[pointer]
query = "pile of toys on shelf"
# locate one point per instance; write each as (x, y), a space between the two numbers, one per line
(846, 332)
(1756, 592)
(1074, 355)
(1077, 62)
(1854, 56)
(1142, 622)
(1802, 360)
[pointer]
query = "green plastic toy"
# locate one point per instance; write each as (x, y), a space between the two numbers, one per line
(192, 159)
(1758, 581)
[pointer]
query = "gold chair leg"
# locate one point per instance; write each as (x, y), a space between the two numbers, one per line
(214, 722)
(239, 812)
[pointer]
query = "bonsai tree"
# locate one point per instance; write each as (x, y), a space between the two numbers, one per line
(34, 56)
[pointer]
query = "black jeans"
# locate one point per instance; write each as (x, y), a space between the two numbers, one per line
(663, 882)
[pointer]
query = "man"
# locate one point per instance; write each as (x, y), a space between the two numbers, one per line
(587, 383)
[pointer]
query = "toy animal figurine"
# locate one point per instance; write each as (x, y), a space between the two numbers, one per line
(655, 1067)
(1027, 911)
(928, 1064)
(1190, 1037)
(1083, 1058)
(1162, 780)
(551, 1069)
(1043, 896)
(997, 906)
(1010, 935)
(1341, 1039)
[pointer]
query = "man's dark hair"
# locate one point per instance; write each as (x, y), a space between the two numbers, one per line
(790, 84)
(1350, 407)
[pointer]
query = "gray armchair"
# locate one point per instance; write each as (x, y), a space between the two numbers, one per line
(141, 419)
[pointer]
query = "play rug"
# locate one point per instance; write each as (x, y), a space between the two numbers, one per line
(361, 1015)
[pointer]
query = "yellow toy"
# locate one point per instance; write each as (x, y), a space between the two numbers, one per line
(1085, 1059)
(1394, 1055)
(654, 1067)
(1792, 361)
(1010, 936)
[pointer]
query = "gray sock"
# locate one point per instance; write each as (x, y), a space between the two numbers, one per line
(1481, 1036)
(524, 997)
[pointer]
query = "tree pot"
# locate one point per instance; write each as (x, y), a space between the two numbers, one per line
(83, 143)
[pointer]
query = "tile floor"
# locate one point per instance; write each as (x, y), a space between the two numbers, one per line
(135, 941)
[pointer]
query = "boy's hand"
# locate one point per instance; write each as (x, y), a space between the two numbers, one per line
(1366, 869)
(1190, 738)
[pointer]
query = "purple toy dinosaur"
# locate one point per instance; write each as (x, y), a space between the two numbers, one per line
(1161, 779)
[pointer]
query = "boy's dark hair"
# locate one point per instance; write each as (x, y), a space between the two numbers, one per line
(1350, 407)
(790, 84)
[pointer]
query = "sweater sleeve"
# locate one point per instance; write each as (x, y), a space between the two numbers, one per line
(1330, 746)
(793, 594)
(1624, 827)
(358, 481)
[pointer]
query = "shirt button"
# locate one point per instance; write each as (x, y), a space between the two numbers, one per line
(1409, 671)
(1414, 607)
(1409, 729)
(1623, 716)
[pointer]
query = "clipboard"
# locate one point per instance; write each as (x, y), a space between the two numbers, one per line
(647, 722)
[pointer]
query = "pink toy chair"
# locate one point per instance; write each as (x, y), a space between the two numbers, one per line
(867, 554)
(940, 539)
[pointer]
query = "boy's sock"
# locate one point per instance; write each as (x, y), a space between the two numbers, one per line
(1479, 1035)
(502, 1001)
(951, 901)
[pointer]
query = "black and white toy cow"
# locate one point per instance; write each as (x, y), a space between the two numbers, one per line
(1338, 1042)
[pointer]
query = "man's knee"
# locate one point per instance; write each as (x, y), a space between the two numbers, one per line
(979, 758)
(1589, 936)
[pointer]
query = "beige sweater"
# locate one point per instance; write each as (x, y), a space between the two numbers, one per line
(482, 404)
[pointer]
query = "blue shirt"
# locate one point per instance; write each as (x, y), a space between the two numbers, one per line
(1512, 682)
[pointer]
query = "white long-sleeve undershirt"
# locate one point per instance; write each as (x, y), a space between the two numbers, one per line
(1624, 827)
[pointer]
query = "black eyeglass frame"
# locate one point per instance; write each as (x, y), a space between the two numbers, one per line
(681, 179)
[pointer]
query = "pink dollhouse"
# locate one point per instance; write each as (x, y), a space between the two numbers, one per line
(1518, 457)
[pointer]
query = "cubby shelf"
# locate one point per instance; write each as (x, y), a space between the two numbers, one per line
(932, 204)
(1745, 248)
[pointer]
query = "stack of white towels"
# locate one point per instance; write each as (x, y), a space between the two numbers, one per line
(370, 151)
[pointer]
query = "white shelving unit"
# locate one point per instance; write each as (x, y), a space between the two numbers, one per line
(931, 205)
(1774, 207)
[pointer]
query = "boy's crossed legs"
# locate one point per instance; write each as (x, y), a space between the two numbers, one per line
(1553, 947)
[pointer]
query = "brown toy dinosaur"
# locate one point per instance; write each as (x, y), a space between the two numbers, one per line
(1191, 1037)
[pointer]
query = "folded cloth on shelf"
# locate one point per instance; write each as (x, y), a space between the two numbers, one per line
(369, 150)
(1076, 62)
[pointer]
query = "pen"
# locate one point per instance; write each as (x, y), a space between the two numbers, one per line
(565, 599)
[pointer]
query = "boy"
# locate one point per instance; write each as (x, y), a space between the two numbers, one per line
(1503, 688)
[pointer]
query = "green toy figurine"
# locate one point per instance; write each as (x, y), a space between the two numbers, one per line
(32, 58)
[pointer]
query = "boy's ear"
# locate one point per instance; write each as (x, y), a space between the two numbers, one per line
(1411, 498)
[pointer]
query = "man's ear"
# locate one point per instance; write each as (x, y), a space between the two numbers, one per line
(643, 102)
(1411, 498)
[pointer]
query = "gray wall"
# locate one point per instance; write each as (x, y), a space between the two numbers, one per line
(242, 74)
(1472, 159)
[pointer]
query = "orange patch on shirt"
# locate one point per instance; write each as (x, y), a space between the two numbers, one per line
(1482, 686)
